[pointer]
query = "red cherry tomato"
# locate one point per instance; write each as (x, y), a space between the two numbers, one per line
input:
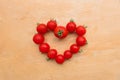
(80, 30)
(74, 48)
(71, 26)
(38, 38)
(52, 24)
(60, 32)
(67, 54)
(52, 53)
(81, 40)
(59, 59)
(41, 28)
(44, 47)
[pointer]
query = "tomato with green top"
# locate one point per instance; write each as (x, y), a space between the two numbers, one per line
(60, 32)
(52, 24)
(71, 26)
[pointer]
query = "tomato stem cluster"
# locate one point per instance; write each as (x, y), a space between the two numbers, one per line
(60, 33)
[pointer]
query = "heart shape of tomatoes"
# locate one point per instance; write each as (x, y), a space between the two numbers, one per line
(60, 32)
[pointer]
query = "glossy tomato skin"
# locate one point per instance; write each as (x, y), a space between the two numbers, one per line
(80, 30)
(60, 32)
(41, 28)
(59, 59)
(44, 47)
(71, 26)
(52, 53)
(74, 48)
(81, 40)
(51, 24)
(38, 39)
(67, 54)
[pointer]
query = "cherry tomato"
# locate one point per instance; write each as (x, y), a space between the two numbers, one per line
(74, 48)
(38, 38)
(81, 40)
(44, 47)
(41, 28)
(52, 24)
(67, 54)
(59, 59)
(52, 53)
(80, 30)
(60, 32)
(71, 26)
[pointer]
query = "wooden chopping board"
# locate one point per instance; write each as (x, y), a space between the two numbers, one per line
(20, 58)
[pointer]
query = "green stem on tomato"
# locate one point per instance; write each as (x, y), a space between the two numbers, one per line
(38, 24)
(85, 26)
(71, 20)
(60, 32)
(86, 42)
(48, 59)
(80, 51)
(53, 19)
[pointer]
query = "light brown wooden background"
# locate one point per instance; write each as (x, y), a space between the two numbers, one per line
(20, 58)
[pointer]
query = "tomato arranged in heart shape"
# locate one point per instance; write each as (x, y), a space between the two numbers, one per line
(60, 32)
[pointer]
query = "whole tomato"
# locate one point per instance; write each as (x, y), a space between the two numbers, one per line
(44, 47)
(81, 40)
(51, 24)
(59, 59)
(71, 26)
(74, 48)
(60, 32)
(67, 54)
(52, 53)
(41, 28)
(80, 30)
(38, 38)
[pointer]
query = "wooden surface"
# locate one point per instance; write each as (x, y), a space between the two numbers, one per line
(20, 58)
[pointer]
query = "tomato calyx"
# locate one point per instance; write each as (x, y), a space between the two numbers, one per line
(85, 26)
(71, 20)
(86, 42)
(48, 59)
(38, 24)
(60, 32)
(80, 51)
(53, 19)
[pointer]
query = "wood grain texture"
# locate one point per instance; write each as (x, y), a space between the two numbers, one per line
(20, 58)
